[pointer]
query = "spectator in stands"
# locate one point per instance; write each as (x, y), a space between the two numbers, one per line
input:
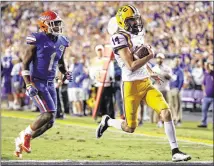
(74, 88)
(17, 83)
(96, 73)
(6, 83)
(198, 75)
(188, 79)
(186, 59)
(117, 89)
(165, 74)
(208, 89)
(174, 92)
(85, 83)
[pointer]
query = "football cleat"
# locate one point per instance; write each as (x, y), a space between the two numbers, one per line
(180, 156)
(18, 150)
(25, 139)
(102, 126)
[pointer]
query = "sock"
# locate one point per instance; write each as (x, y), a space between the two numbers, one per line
(10, 103)
(170, 132)
(116, 123)
(175, 150)
(28, 130)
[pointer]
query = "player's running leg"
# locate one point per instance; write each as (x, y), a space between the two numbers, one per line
(131, 101)
(48, 124)
(156, 101)
(45, 101)
(169, 127)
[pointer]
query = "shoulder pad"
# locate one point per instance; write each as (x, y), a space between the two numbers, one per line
(119, 41)
(31, 39)
(65, 41)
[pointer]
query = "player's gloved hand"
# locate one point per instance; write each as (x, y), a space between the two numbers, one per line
(31, 90)
(68, 76)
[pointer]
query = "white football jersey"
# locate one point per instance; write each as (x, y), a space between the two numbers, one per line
(122, 39)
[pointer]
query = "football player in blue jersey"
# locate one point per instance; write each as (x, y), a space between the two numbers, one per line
(45, 53)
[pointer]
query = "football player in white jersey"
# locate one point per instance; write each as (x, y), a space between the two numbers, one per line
(137, 85)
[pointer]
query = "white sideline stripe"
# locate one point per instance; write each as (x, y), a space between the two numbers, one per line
(121, 132)
(97, 161)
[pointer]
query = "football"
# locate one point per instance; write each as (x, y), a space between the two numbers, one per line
(140, 52)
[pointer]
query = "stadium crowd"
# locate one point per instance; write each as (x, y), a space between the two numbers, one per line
(181, 30)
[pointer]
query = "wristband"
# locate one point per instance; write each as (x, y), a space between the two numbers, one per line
(25, 72)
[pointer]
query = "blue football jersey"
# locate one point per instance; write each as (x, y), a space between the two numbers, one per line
(7, 65)
(48, 53)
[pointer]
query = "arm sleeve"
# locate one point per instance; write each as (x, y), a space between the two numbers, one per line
(31, 39)
(118, 41)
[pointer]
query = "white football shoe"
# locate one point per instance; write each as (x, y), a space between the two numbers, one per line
(18, 147)
(180, 156)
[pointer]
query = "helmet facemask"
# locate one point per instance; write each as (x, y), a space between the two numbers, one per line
(134, 24)
(55, 27)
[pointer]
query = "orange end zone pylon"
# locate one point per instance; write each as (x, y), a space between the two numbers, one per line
(108, 54)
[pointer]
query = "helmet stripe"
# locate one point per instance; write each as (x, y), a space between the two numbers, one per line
(133, 9)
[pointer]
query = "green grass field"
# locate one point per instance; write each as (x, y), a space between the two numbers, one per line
(74, 138)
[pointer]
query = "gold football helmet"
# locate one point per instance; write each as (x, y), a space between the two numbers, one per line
(129, 19)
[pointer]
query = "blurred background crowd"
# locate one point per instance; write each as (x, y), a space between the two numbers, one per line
(181, 34)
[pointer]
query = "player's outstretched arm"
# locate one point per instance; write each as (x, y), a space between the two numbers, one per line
(31, 51)
(131, 64)
(63, 69)
(61, 64)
